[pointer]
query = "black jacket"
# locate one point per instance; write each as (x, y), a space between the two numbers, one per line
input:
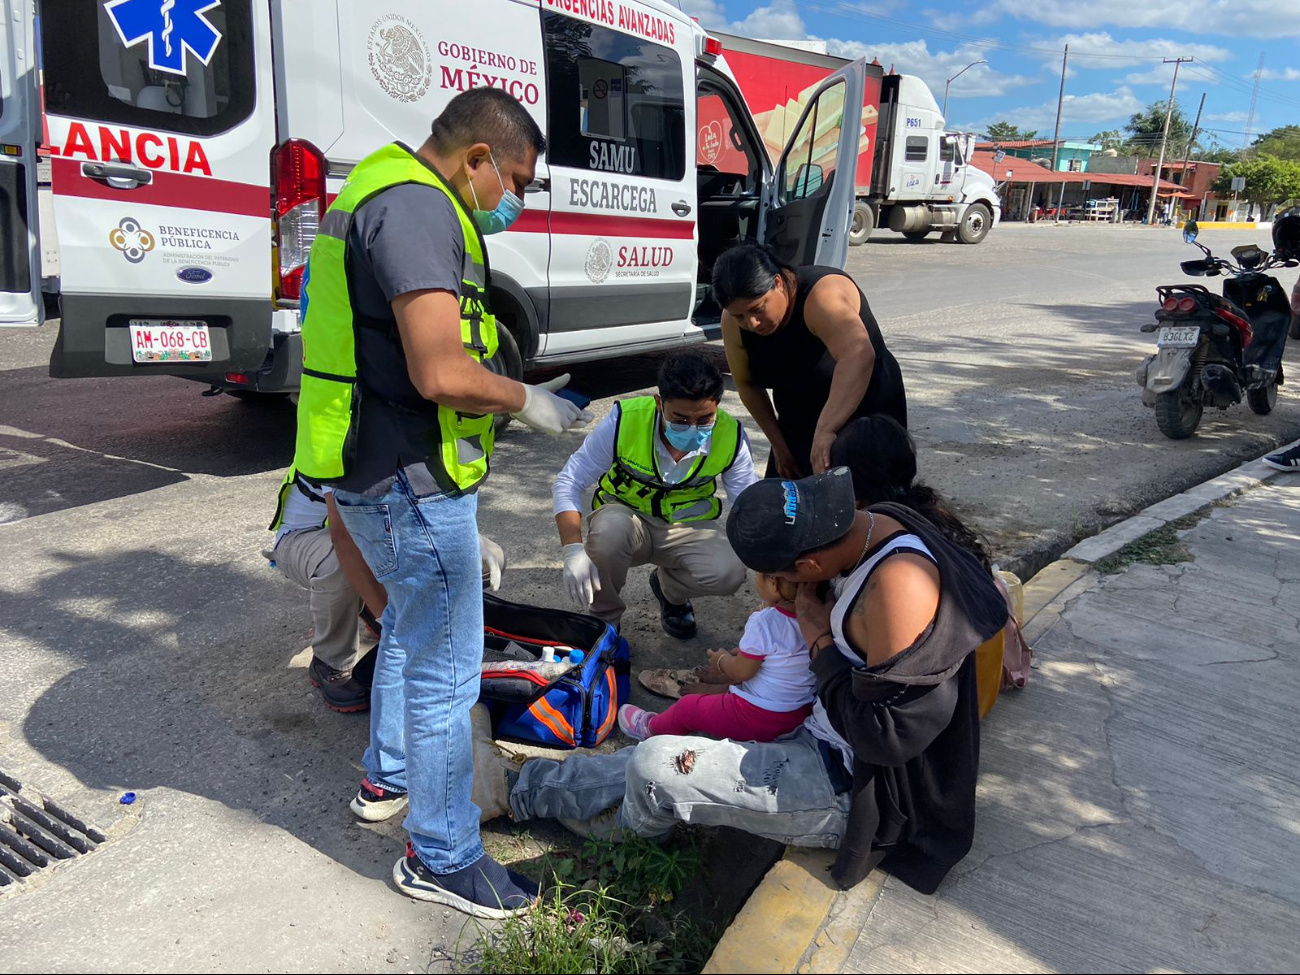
(913, 725)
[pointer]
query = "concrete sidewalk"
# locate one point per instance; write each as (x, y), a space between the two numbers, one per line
(1140, 799)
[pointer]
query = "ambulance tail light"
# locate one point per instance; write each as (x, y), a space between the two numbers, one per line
(712, 47)
(298, 185)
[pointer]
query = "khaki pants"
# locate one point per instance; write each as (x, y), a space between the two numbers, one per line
(694, 559)
(306, 558)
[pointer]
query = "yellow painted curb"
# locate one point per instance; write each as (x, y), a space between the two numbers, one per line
(780, 919)
(1226, 225)
(1048, 583)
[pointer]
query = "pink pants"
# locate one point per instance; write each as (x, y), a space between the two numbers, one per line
(726, 716)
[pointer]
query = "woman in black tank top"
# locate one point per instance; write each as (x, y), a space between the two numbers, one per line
(807, 335)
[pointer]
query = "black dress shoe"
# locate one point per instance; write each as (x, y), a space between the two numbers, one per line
(340, 689)
(677, 619)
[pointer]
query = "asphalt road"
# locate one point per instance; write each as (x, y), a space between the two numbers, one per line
(147, 646)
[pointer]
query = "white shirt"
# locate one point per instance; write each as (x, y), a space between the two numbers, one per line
(595, 457)
(301, 511)
(785, 681)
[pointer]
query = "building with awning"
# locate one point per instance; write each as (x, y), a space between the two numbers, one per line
(1031, 191)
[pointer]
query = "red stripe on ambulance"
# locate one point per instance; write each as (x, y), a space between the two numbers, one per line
(166, 190)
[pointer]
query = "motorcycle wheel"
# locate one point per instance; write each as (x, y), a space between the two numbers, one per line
(1178, 413)
(1262, 400)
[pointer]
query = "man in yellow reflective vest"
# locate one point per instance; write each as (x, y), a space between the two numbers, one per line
(656, 462)
(396, 413)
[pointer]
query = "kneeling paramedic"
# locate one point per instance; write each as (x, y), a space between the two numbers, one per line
(313, 549)
(396, 413)
(656, 462)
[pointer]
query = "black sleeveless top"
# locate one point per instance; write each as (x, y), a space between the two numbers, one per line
(797, 367)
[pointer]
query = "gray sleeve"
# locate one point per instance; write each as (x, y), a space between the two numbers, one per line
(411, 240)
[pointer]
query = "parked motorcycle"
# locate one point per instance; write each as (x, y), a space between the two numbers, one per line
(1213, 350)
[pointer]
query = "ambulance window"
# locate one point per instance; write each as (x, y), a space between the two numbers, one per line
(615, 101)
(159, 81)
(721, 146)
(813, 155)
(918, 147)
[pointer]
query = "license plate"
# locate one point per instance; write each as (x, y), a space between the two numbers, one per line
(1179, 337)
(167, 340)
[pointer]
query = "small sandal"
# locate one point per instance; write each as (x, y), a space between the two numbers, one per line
(665, 681)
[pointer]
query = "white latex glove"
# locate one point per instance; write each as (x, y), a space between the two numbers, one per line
(494, 561)
(543, 410)
(581, 578)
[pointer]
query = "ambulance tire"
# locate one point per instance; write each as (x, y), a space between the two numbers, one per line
(864, 221)
(507, 362)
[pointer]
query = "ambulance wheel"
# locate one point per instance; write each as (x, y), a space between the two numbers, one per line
(863, 222)
(507, 362)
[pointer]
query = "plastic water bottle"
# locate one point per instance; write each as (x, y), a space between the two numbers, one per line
(548, 655)
(576, 657)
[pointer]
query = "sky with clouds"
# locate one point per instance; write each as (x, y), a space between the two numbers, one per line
(1116, 52)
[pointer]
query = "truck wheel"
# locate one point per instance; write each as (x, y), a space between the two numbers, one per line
(863, 223)
(975, 224)
(1262, 400)
(1178, 412)
(507, 362)
(915, 235)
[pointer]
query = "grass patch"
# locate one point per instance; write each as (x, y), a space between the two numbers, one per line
(610, 908)
(1160, 547)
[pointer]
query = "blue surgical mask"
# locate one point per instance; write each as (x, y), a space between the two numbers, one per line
(687, 436)
(506, 212)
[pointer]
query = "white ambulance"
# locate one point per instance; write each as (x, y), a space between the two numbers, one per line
(195, 144)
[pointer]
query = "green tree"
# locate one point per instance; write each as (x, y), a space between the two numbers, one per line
(1269, 182)
(1006, 132)
(1215, 152)
(1283, 142)
(1110, 139)
(1146, 127)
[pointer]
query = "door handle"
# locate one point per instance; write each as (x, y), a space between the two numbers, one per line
(681, 208)
(117, 175)
(538, 186)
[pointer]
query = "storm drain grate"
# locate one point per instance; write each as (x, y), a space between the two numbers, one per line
(36, 832)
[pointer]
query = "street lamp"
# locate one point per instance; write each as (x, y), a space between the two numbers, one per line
(954, 78)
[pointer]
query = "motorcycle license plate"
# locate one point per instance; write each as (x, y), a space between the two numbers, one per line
(169, 341)
(1179, 337)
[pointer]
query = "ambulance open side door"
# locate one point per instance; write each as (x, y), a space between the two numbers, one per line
(808, 205)
(20, 125)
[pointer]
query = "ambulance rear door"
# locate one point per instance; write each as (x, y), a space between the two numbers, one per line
(808, 205)
(161, 123)
(20, 120)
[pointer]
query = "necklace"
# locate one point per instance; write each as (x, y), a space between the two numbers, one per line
(871, 527)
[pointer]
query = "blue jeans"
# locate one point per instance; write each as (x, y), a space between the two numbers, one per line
(424, 550)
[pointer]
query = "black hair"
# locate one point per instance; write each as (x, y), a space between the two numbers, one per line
(691, 375)
(881, 457)
(746, 271)
(487, 115)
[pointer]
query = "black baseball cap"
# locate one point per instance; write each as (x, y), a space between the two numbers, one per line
(773, 522)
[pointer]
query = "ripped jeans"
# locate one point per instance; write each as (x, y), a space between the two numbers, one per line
(780, 790)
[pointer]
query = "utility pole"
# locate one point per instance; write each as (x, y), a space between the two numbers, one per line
(1187, 153)
(1164, 138)
(1056, 137)
(1254, 101)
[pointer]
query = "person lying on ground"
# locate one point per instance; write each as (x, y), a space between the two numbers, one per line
(884, 769)
(656, 462)
(771, 686)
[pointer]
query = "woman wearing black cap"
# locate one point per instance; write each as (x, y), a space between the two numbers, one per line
(808, 335)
